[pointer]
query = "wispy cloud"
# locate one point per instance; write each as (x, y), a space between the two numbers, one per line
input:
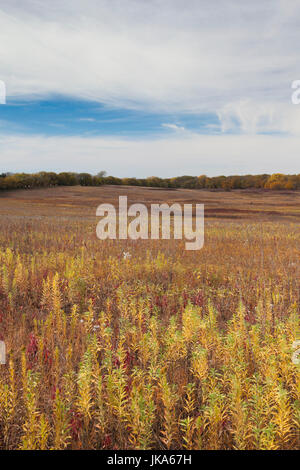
(174, 127)
(250, 117)
(157, 55)
(86, 119)
(233, 62)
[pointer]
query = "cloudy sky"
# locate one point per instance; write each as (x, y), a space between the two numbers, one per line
(150, 87)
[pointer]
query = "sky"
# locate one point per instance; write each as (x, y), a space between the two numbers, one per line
(150, 87)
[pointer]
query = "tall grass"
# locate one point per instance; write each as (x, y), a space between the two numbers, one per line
(163, 349)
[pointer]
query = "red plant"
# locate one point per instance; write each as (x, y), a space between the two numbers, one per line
(75, 424)
(47, 357)
(32, 349)
(106, 444)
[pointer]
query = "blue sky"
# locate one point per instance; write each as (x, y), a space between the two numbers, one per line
(59, 115)
(156, 87)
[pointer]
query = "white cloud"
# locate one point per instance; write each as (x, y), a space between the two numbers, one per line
(162, 55)
(174, 127)
(193, 154)
(250, 117)
(235, 59)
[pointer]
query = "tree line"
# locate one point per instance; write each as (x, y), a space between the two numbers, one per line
(50, 179)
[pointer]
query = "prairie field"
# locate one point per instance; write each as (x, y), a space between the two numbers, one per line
(140, 344)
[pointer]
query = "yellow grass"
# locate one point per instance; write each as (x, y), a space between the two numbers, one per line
(166, 349)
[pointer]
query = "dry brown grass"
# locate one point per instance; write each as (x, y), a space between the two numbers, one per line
(82, 201)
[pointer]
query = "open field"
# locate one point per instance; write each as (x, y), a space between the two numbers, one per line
(83, 201)
(160, 349)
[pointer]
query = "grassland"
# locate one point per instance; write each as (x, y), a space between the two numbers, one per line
(160, 349)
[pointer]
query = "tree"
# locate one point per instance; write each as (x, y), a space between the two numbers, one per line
(85, 179)
(101, 174)
(276, 181)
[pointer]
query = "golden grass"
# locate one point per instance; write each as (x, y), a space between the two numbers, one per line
(166, 349)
